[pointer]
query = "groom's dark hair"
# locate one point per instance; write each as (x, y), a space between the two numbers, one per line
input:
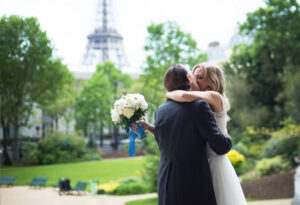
(176, 78)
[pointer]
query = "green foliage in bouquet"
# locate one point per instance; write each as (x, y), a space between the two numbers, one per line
(138, 115)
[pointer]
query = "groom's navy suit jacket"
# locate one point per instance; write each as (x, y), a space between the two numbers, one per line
(182, 131)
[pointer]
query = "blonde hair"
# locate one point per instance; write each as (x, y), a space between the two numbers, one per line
(214, 77)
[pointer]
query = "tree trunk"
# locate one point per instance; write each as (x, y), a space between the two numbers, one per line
(6, 158)
(116, 137)
(67, 126)
(16, 143)
(56, 123)
(85, 131)
(52, 124)
(43, 124)
(101, 134)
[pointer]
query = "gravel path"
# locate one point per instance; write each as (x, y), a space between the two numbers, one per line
(272, 202)
(23, 195)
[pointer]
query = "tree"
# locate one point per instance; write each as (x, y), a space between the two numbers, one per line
(166, 45)
(120, 84)
(266, 64)
(28, 73)
(97, 97)
(64, 105)
(119, 81)
(93, 103)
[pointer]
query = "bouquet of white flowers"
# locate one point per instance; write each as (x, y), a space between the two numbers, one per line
(129, 109)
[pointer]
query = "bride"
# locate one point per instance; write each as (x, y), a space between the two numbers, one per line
(211, 82)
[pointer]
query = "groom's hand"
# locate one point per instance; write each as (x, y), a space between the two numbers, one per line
(134, 127)
(147, 127)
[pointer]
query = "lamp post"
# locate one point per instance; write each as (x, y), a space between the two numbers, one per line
(296, 199)
(99, 122)
(37, 128)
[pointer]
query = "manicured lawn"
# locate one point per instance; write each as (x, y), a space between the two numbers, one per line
(153, 201)
(104, 171)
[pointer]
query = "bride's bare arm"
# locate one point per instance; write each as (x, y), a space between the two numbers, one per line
(214, 99)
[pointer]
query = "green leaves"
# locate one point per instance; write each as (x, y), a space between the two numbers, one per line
(28, 73)
(98, 94)
(266, 64)
(166, 45)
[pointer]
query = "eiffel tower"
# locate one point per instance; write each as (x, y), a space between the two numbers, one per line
(105, 43)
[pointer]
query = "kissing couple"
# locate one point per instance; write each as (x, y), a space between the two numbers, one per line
(190, 129)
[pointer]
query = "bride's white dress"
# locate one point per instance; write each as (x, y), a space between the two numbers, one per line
(226, 184)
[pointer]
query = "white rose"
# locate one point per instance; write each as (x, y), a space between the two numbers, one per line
(144, 105)
(138, 105)
(129, 101)
(118, 108)
(128, 112)
(115, 116)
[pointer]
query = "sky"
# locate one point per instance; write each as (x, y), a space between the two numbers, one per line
(68, 22)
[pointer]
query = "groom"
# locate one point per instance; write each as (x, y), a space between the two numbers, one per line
(182, 131)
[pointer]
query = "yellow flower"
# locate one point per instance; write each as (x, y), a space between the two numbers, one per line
(235, 157)
(108, 187)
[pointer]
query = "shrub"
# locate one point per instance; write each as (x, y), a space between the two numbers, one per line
(151, 168)
(100, 191)
(32, 158)
(90, 156)
(236, 159)
(107, 188)
(152, 163)
(27, 148)
(287, 147)
(58, 147)
(30, 153)
(242, 148)
(270, 166)
(91, 143)
(247, 166)
(130, 186)
(251, 176)
(47, 158)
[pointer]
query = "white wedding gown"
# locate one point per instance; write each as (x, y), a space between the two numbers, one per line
(226, 184)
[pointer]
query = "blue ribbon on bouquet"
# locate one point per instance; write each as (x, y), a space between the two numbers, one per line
(141, 134)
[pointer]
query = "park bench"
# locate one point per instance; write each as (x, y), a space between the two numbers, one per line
(6, 180)
(38, 181)
(56, 185)
(65, 188)
(80, 187)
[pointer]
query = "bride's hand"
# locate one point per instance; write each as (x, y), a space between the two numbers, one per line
(168, 94)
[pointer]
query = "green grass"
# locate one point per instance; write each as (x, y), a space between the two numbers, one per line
(151, 201)
(104, 171)
(154, 201)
